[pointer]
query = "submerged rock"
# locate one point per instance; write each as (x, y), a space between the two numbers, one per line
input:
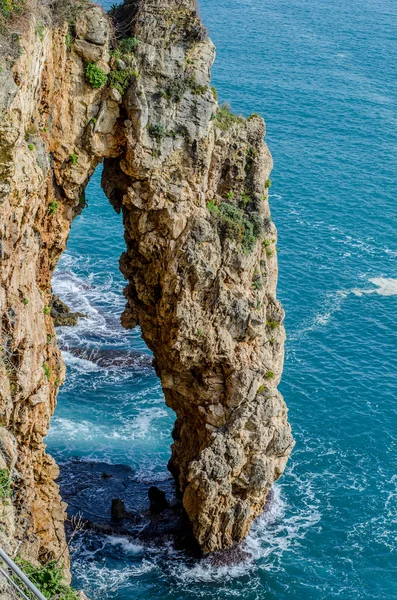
(158, 500)
(111, 358)
(111, 500)
(62, 315)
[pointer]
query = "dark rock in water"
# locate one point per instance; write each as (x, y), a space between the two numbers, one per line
(118, 510)
(158, 500)
(90, 489)
(227, 558)
(111, 358)
(112, 501)
(62, 315)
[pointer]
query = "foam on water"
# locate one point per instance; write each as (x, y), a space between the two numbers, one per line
(384, 287)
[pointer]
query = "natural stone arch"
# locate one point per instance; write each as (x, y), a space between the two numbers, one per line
(201, 263)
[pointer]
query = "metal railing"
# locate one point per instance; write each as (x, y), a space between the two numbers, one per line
(16, 583)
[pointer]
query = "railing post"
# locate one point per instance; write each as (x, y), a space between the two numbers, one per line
(21, 575)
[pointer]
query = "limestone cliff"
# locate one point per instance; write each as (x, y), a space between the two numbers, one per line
(192, 182)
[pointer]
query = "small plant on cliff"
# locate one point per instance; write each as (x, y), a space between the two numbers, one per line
(195, 87)
(40, 31)
(225, 119)
(128, 45)
(269, 375)
(121, 79)
(47, 371)
(95, 76)
(8, 10)
(157, 132)
(268, 183)
(212, 207)
(215, 93)
(272, 324)
(74, 159)
(31, 147)
(49, 579)
(5, 484)
(235, 223)
(53, 207)
(25, 301)
(257, 281)
(175, 90)
(47, 310)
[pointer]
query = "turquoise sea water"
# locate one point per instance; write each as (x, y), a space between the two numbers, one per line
(323, 74)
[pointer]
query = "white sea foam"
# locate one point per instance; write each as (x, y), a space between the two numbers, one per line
(125, 544)
(384, 287)
(333, 302)
(81, 364)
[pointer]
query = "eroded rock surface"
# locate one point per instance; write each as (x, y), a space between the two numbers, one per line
(192, 182)
(202, 266)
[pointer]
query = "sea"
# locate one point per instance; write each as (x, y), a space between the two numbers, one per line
(323, 74)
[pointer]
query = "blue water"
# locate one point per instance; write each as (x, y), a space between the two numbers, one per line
(323, 74)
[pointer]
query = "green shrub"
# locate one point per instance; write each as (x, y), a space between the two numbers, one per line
(74, 159)
(49, 579)
(230, 195)
(195, 88)
(121, 79)
(47, 310)
(25, 301)
(245, 199)
(5, 484)
(215, 93)
(40, 30)
(53, 207)
(47, 371)
(96, 77)
(268, 183)
(175, 90)
(272, 324)
(157, 132)
(269, 375)
(234, 224)
(224, 118)
(31, 147)
(128, 45)
(212, 207)
(68, 40)
(8, 10)
(257, 282)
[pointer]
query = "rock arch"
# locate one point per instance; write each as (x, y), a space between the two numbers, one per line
(192, 182)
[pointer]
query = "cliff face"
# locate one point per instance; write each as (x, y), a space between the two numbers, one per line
(191, 180)
(48, 151)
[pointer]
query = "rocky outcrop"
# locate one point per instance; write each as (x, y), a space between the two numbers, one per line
(192, 182)
(202, 265)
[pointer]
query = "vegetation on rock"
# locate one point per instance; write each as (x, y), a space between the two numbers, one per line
(95, 76)
(235, 223)
(49, 579)
(225, 119)
(5, 484)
